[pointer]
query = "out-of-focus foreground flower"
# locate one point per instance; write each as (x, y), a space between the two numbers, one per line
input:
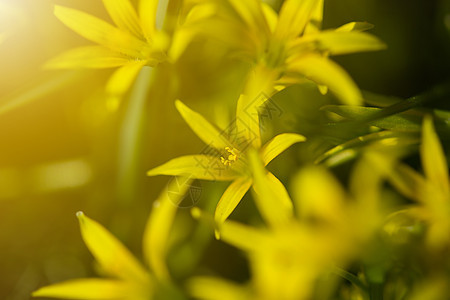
(431, 191)
(331, 229)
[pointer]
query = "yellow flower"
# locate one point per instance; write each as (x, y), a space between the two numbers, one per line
(431, 191)
(128, 279)
(133, 43)
(331, 229)
(288, 47)
(226, 159)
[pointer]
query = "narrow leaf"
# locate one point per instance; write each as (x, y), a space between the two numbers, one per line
(374, 116)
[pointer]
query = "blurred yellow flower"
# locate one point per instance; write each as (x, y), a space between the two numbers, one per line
(226, 159)
(133, 43)
(431, 190)
(128, 279)
(288, 47)
(286, 260)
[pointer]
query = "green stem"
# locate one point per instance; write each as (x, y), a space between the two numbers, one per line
(376, 291)
(351, 278)
(436, 93)
(130, 139)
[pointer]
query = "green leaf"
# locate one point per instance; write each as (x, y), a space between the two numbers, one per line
(369, 115)
(349, 149)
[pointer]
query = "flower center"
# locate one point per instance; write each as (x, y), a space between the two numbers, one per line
(231, 155)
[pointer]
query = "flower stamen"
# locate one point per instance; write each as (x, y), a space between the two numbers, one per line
(232, 155)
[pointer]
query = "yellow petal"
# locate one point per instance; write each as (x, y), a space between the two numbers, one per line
(192, 25)
(282, 196)
(293, 17)
(318, 194)
(315, 23)
(407, 181)
(210, 288)
(325, 72)
(101, 32)
(270, 15)
(122, 79)
(90, 288)
(124, 16)
(87, 57)
(230, 199)
(355, 26)
(251, 12)
(207, 132)
(109, 252)
(242, 236)
(433, 157)
(147, 14)
(271, 197)
(196, 166)
(180, 41)
(278, 144)
(160, 222)
(338, 43)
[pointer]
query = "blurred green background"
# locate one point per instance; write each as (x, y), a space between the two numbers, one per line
(62, 149)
